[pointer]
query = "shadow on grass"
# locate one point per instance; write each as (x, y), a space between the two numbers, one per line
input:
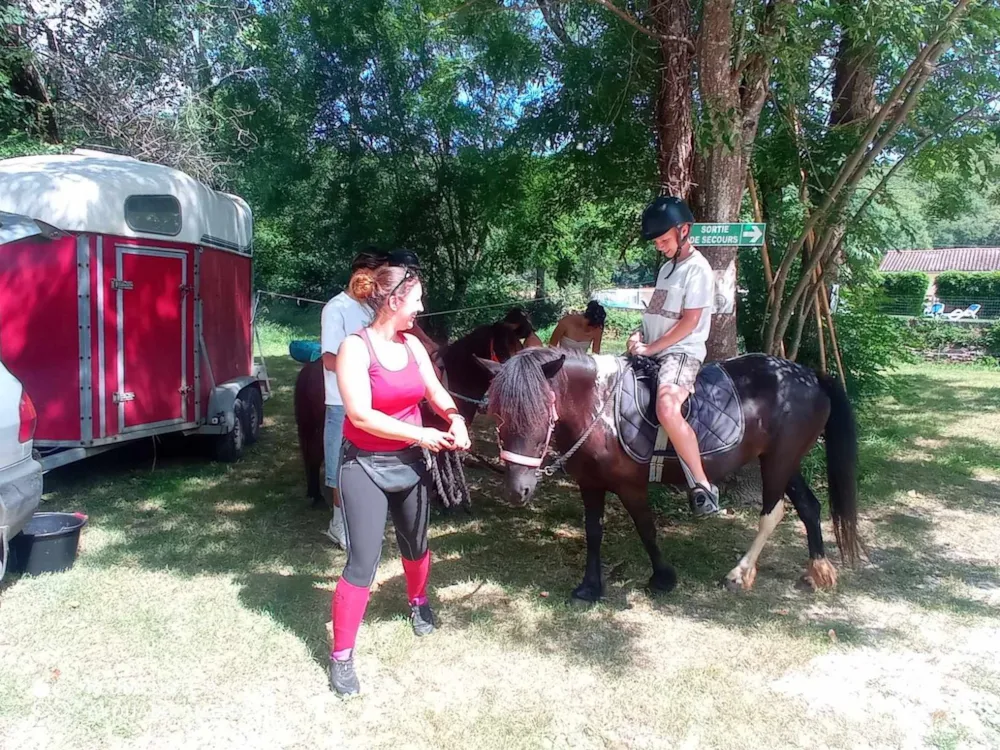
(904, 445)
(251, 521)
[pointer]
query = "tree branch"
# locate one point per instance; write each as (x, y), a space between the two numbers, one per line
(854, 168)
(914, 149)
(858, 156)
(631, 21)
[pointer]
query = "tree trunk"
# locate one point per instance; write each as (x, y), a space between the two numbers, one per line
(27, 83)
(674, 129)
(539, 282)
(720, 173)
(854, 85)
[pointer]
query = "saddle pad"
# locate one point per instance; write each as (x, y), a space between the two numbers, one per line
(714, 412)
(304, 351)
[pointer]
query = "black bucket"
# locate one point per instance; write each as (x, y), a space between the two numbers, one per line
(47, 544)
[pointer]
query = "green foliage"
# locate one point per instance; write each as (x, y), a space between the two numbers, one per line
(905, 292)
(991, 340)
(963, 289)
(930, 335)
(23, 145)
(500, 143)
(621, 323)
(872, 345)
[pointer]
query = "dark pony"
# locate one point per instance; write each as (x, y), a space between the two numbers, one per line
(786, 408)
(496, 342)
(463, 378)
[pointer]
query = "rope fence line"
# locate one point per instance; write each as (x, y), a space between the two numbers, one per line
(510, 303)
(291, 297)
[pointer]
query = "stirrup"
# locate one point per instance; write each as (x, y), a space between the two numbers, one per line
(704, 500)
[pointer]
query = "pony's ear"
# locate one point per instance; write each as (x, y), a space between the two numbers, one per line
(491, 367)
(551, 369)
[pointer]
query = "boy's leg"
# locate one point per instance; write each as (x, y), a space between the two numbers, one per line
(333, 439)
(676, 383)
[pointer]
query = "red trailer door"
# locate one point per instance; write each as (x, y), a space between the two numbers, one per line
(152, 345)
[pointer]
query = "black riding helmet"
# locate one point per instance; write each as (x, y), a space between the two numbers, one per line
(662, 215)
(403, 258)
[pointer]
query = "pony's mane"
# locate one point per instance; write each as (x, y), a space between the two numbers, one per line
(520, 390)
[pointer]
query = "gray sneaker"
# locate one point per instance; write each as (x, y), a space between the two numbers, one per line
(422, 619)
(343, 679)
(704, 500)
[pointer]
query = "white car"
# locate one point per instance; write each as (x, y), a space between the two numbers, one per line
(20, 474)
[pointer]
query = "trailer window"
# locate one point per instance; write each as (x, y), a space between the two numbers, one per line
(154, 214)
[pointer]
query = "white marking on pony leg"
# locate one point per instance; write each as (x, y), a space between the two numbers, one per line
(745, 572)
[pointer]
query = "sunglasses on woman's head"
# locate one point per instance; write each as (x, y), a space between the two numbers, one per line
(411, 273)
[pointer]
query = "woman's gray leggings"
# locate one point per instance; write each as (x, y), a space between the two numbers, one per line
(364, 505)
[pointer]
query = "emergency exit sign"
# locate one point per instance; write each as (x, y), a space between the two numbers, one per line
(749, 235)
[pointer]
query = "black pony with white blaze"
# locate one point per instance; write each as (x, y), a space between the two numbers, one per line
(542, 397)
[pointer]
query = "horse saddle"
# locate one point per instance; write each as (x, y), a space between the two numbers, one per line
(713, 411)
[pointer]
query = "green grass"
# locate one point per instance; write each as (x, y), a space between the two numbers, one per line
(197, 612)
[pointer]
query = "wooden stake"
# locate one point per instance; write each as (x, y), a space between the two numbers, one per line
(825, 304)
(819, 330)
(765, 256)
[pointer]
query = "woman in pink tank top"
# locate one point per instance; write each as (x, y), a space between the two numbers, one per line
(383, 374)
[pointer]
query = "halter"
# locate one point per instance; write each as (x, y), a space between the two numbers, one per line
(534, 463)
(551, 469)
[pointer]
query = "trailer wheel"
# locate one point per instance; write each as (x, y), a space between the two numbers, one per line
(229, 447)
(254, 413)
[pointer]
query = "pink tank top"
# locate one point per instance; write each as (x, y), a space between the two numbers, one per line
(397, 393)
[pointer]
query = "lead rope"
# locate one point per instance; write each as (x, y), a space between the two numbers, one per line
(448, 474)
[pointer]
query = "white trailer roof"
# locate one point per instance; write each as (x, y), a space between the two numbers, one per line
(87, 191)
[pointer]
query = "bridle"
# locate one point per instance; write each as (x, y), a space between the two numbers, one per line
(536, 462)
(533, 463)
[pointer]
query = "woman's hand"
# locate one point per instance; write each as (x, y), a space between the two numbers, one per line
(460, 434)
(435, 440)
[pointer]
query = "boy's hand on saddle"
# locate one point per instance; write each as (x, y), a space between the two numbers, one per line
(635, 346)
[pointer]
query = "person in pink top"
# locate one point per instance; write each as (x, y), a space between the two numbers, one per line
(384, 373)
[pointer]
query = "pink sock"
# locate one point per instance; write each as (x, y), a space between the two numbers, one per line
(417, 572)
(347, 611)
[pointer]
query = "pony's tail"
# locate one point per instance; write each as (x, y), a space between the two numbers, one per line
(842, 469)
(309, 420)
(302, 409)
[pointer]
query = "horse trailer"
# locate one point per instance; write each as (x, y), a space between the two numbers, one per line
(126, 304)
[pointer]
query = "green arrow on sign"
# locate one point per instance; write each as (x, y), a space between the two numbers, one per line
(727, 235)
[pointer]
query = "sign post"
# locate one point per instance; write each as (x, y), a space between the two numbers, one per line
(727, 235)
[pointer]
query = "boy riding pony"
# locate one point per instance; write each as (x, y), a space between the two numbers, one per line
(675, 327)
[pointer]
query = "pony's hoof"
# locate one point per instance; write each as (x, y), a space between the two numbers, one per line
(586, 595)
(662, 583)
(820, 574)
(740, 579)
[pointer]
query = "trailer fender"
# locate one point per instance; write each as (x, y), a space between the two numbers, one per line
(221, 403)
